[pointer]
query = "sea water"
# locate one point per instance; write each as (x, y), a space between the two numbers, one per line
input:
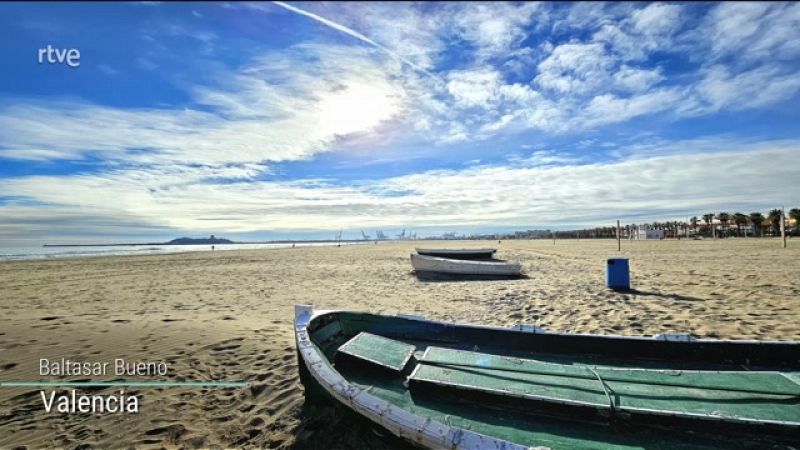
(20, 253)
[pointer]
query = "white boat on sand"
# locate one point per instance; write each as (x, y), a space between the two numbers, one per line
(424, 264)
(458, 253)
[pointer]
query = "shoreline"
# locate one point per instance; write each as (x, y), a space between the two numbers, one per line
(11, 257)
(6, 257)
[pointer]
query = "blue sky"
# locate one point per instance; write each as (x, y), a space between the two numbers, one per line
(271, 120)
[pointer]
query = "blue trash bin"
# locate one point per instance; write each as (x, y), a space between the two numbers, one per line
(618, 274)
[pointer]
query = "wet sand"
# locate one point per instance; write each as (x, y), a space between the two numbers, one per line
(227, 315)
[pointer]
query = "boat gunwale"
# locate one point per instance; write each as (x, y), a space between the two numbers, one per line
(455, 251)
(471, 262)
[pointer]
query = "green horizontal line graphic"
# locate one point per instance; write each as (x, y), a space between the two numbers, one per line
(219, 384)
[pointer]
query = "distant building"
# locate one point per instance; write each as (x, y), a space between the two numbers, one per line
(648, 234)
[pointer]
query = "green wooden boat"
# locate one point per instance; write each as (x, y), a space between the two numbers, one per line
(447, 386)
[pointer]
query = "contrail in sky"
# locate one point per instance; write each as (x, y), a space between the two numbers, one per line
(353, 33)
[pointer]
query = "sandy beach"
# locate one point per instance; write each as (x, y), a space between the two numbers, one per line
(227, 315)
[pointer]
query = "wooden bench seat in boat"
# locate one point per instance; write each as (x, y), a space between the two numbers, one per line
(378, 350)
(740, 397)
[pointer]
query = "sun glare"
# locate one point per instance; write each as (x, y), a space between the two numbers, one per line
(357, 108)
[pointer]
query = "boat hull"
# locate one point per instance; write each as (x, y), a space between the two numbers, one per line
(458, 253)
(447, 266)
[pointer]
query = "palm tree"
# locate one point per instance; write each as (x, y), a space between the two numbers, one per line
(724, 218)
(694, 220)
(756, 219)
(794, 213)
(775, 217)
(709, 219)
(739, 219)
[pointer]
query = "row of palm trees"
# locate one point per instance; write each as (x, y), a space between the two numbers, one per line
(726, 224)
(739, 224)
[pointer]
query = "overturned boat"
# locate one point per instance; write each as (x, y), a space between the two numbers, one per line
(486, 268)
(458, 253)
(446, 386)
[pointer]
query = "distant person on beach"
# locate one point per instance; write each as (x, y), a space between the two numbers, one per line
(212, 248)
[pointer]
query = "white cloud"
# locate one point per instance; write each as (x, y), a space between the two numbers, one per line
(721, 89)
(575, 68)
(495, 28)
(609, 108)
(642, 32)
(637, 80)
(754, 31)
(484, 98)
(478, 87)
(598, 192)
(656, 19)
(549, 158)
(546, 188)
(585, 16)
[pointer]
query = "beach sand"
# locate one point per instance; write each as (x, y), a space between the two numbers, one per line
(228, 315)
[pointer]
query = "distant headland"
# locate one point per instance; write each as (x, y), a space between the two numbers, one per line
(211, 240)
(191, 241)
